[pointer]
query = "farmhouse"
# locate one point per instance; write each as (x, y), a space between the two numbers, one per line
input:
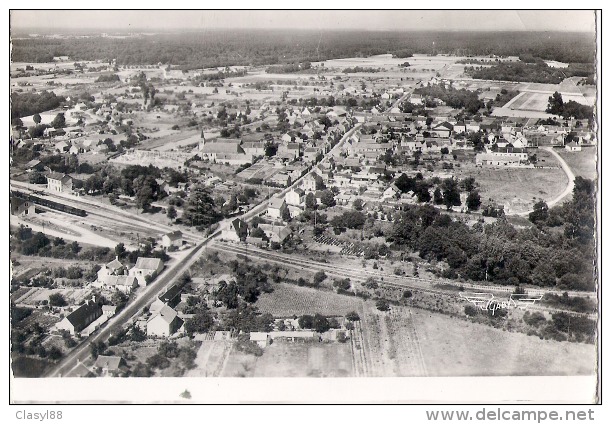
(114, 267)
(146, 269)
(224, 150)
(108, 366)
(80, 318)
(122, 283)
(173, 238)
(276, 233)
(164, 323)
(573, 146)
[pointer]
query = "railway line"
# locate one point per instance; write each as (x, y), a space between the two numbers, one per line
(361, 275)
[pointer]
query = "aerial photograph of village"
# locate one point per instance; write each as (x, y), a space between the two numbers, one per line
(222, 201)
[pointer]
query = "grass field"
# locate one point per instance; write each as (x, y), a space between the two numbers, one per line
(424, 343)
(287, 300)
(582, 163)
(520, 187)
(453, 347)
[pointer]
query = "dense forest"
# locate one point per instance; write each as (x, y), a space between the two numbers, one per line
(267, 47)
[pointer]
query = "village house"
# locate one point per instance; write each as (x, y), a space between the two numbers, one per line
(309, 183)
(59, 182)
(21, 207)
(146, 269)
(442, 130)
(281, 179)
(295, 197)
(502, 157)
(164, 323)
(573, 146)
(237, 231)
(172, 239)
(108, 366)
(112, 268)
(276, 233)
(276, 207)
(123, 283)
(80, 318)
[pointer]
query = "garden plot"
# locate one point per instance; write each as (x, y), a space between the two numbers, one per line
(288, 300)
(305, 359)
(38, 294)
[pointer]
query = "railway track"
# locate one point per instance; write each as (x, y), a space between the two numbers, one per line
(423, 285)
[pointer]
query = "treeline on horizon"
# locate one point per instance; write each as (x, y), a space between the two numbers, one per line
(271, 47)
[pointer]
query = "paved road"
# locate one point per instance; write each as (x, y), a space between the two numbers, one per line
(568, 190)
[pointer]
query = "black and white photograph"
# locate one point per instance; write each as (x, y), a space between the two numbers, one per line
(202, 197)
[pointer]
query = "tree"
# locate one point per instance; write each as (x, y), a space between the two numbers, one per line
(451, 195)
(57, 299)
(286, 215)
(59, 121)
(310, 201)
(171, 212)
(201, 322)
(555, 105)
(306, 321)
(37, 178)
(327, 198)
(438, 197)
(382, 305)
(473, 201)
(120, 250)
(539, 213)
(37, 119)
(353, 316)
(320, 323)
(319, 277)
(200, 209)
(357, 205)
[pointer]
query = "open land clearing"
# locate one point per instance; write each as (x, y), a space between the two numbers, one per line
(583, 164)
(399, 342)
(520, 188)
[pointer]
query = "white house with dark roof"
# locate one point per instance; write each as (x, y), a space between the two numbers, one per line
(115, 267)
(146, 269)
(164, 323)
(275, 208)
(59, 182)
(173, 238)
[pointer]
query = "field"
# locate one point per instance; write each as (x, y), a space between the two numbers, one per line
(421, 343)
(529, 101)
(582, 163)
(453, 347)
(295, 359)
(287, 300)
(519, 187)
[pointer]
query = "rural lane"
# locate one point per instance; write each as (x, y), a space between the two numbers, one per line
(568, 190)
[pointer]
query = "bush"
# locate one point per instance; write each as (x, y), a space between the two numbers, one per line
(382, 305)
(353, 316)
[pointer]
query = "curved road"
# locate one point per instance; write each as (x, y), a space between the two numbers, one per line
(568, 190)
